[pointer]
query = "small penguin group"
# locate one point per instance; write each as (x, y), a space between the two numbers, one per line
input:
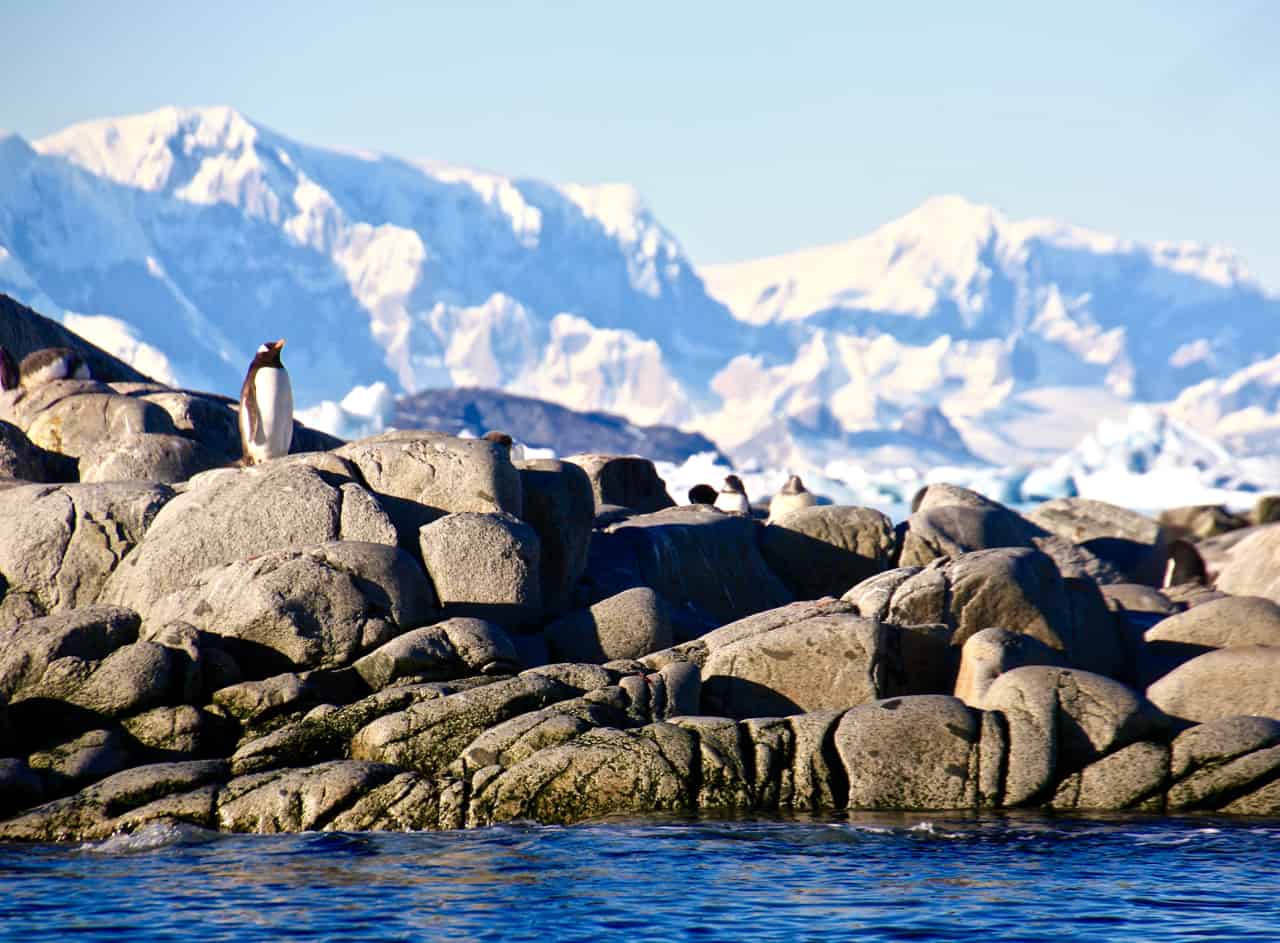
(266, 406)
(732, 497)
(41, 366)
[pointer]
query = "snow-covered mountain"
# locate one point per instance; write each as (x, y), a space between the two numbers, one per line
(182, 238)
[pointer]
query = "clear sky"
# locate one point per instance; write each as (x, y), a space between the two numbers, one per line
(751, 129)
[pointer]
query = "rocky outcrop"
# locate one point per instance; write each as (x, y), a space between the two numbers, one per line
(827, 550)
(624, 481)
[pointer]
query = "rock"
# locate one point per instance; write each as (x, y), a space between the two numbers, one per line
(254, 702)
(234, 515)
(454, 648)
(631, 624)
(559, 506)
(625, 480)
(954, 529)
(1252, 566)
(1135, 597)
(1060, 720)
(297, 800)
(911, 753)
(1216, 762)
(701, 560)
(1132, 777)
(61, 543)
(485, 565)
(1198, 521)
(86, 759)
(211, 421)
(1228, 622)
(602, 772)
(1266, 510)
(103, 808)
(146, 457)
(427, 737)
(990, 653)
(132, 678)
(85, 636)
(311, 607)
(772, 673)
(20, 786)
(19, 457)
(1132, 542)
(826, 550)
(421, 476)
(182, 729)
(75, 424)
(1212, 744)
(1223, 683)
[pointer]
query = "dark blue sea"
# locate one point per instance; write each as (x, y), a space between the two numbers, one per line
(864, 878)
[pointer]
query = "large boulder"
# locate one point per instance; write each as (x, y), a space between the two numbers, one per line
(146, 456)
(1227, 622)
(826, 550)
(1251, 566)
(76, 424)
(911, 753)
(693, 557)
(772, 673)
(484, 565)
(1016, 589)
(990, 653)
(311, 607)
(1226, 764)
(20, 458)
(232, 515)
(453, 648)
(86, 635)
(1132, 542)
(631, 624)
(59, 545)
(625, 481)
(299, 799)
(560, 507)
(421, 476)
(1222, 683)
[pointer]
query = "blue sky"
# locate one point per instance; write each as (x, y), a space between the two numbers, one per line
(750, 129)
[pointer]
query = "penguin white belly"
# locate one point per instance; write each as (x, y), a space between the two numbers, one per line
(786, 503)
(733, 503)
(274, 395)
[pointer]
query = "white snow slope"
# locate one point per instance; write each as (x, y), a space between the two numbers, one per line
(192, 235)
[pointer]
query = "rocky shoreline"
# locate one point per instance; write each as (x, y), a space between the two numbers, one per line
(414, 631)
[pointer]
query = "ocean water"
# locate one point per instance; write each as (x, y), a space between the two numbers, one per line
(861, 877)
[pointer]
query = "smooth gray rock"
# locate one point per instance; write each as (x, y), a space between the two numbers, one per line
(1251, 564)
(209, 420)
(560, 507)
(1132, 777)
(421, 476)
(454, 648)
(19, 457)
(1227, 622)
(231, 516)
(61, 543)
(624, 480)
(774, 673)
(700, 560)
(310, 607)
(485, 565)
(146, 457)
(1225, 682)
(85, 636)
(1213, 743)
(826, 550)
(297, 800)
(990, 653)
(911, 753)
(182, 729)
(1132, 542)
(20, 786)
(76, 424)
(92, 756)
(1216, 785)
(631, 624)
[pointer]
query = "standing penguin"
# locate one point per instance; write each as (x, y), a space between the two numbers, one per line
(9, 374)
(733, 497)
(266, 406)
(52, 363)
(793, 496)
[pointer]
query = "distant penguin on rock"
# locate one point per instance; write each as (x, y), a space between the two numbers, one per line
(702, 494)
(10, 376)
(52, 363)
(513, 447)
(793, 496)
(733, 497)
(1185, 565)
(266, 406)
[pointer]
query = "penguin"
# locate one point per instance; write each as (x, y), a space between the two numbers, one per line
(793, 496)
(1185, 565)
(52, 363)
(10, 376)
(702, 494)
(733, 497)
(266, 406)
(515, 449)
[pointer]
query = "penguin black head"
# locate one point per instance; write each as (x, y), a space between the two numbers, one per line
(702, 494)
(499, 437)
(733, 485)
(793, 486)
(268, 354)
(9, 375)
(1185, 565)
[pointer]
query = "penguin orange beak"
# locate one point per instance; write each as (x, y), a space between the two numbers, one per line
(278, 344)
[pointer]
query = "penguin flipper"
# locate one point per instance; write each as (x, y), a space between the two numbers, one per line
(249, 403)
